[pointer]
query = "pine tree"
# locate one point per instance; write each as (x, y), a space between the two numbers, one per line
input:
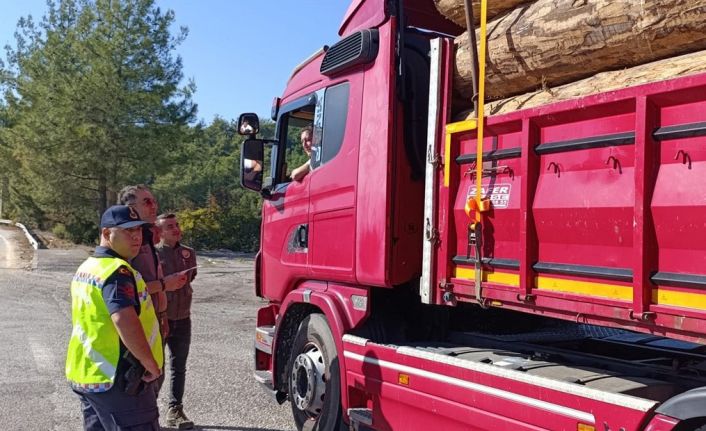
(94, 94)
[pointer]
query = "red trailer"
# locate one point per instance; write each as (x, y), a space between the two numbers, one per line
(578, 302)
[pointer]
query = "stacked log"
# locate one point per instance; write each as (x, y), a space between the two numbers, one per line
(683, 65)
(455, 11)
(549, 43)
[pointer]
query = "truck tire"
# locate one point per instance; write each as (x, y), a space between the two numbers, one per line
(313, 376)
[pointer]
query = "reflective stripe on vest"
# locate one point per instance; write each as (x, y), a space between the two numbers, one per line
(94, 348)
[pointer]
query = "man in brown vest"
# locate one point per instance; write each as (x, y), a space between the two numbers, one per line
(177, 259)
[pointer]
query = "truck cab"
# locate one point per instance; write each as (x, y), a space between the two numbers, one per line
(356, 217)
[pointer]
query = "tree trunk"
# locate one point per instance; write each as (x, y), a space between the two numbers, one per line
(553, 42)
(102, 194)
(455, 9)
(687, 64)
(3, 193)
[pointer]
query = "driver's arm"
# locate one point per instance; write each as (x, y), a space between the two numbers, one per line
(299, 173)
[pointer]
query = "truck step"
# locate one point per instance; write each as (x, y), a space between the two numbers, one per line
(360, 416)
(263, 377)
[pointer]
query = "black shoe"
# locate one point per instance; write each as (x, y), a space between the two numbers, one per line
(177, 419)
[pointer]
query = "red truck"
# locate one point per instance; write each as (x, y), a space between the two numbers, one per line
(578, 303)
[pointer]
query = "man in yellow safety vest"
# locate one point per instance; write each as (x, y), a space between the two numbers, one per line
(115, 351)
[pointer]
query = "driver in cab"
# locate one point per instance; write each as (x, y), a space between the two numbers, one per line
(306, 136)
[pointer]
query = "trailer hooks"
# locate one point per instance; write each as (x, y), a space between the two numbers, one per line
(616, 164)
(685, 158)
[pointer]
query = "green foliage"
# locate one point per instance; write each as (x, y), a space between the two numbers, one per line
(203, 185)
(75, 231)
(236, 227)
(7, 166)
(93, 95)
(205, 166)
(91, 102)
(295, 155)
(201, 226)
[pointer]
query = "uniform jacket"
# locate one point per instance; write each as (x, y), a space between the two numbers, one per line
(147, 264)
(175, 259)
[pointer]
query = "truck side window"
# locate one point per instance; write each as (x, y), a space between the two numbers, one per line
(296, 122)
(325, 119)
(335, 114)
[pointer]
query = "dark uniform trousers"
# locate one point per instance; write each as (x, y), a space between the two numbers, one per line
(178, 341)
(114, 410)
(175, 259)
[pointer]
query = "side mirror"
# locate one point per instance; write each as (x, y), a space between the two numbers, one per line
(251, 164)
(248, 124)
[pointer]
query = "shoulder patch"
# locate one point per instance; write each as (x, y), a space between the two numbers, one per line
(124, 271)
(185, 254)
(127, 290)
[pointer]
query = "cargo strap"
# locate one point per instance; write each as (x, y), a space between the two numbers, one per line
(479, 205)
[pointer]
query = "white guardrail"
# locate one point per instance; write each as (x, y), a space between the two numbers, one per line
(29, 236)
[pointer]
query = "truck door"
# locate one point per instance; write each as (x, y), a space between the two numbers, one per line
(285, 239)
(333, 181)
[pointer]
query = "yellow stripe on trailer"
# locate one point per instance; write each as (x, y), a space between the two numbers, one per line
(505, 278)
(451, 128)
(674, 298)
(587, 288)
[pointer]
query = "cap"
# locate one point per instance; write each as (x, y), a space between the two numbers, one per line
(121, 216)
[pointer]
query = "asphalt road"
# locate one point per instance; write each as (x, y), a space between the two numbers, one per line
(35, 327)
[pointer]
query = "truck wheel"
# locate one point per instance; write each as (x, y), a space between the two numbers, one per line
(313, 377)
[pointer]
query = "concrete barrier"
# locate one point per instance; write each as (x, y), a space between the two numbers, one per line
(30, 238)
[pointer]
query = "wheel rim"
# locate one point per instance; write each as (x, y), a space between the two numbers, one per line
(308, 380)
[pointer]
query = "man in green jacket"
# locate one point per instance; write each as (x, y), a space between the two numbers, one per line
(115, 351)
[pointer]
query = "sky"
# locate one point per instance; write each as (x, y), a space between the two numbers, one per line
(240, 53)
